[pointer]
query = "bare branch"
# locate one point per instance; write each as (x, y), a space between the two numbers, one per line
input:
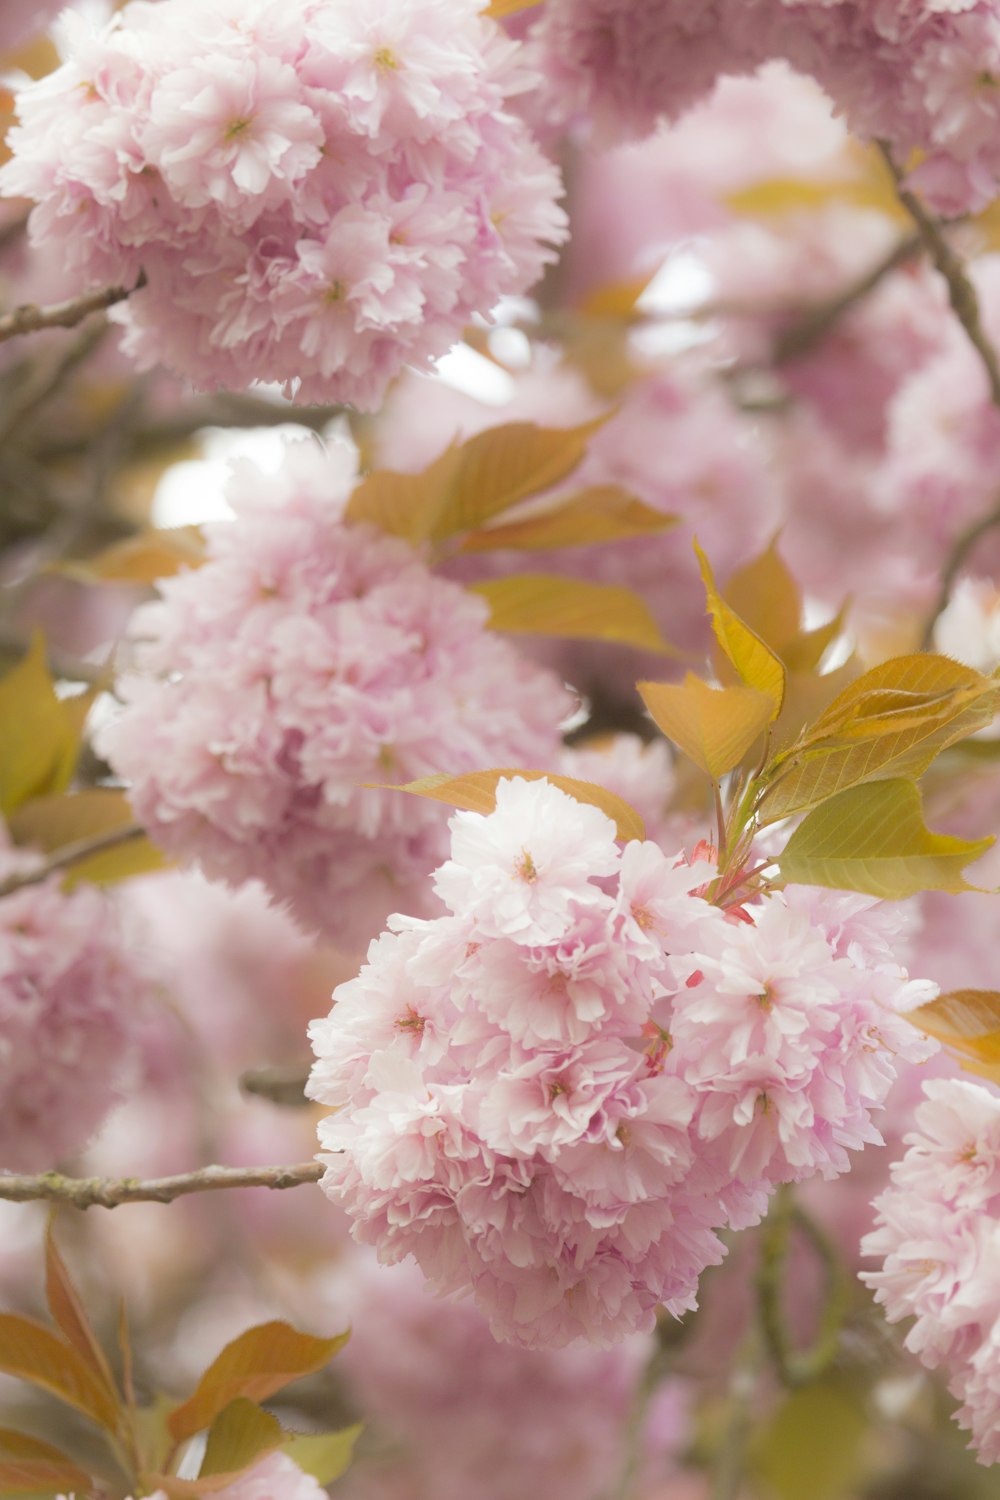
(110, 1192)
(73, 854)
(29, 318)
(815, 324)
(961, 547)
(961, 292)
(284, 1085)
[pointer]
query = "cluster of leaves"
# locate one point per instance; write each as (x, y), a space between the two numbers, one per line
(146, 1444)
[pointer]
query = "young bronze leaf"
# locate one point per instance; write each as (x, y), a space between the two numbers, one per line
(476, 792)
(27, 1464)
(31, 1352)
(872, 838)
(324, 1455)
(158, 553)
(967, 1021)
(714, 726)
(470, 483)
(497, 9)
(766, 597)
(257, 1363)
(548, 604)
(70, 1316)
(754, 662)
(892, 721)
(602, 513)
(38, 738)
(241, 1433)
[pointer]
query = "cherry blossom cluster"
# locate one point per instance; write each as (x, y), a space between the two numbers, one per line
(922, 75)
(314, 194)
(72, 1005)
(554, 1095)
(306, 658)
(938, 1236)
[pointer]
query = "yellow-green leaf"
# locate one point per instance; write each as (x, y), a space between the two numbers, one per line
(154, 554)
(548, 604)
(257, 1363)
(872, 838)
(324, 1455)
(602, 513)
(29, 1351)
(714, 726)
(892, 721)
(70, 1315)
(470, 482)
(968, 1022)
(476, 792)
(753, 661)
(241, 1433)
(27, 1464)
(38, 738)
(814, 1447)
(766, 597)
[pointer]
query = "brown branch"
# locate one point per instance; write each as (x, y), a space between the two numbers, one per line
(961, 292)
(802, 336)
(72, 854)
(30, 318)
(281, 1085)
(110, 1192)
(961, 547)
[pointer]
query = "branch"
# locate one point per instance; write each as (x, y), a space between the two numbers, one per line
(284, 1085)
(955, 561)
(29, 318)
(109, 1192)
(798, 1366)
(72, 854)
(961, 292)
(816, 324)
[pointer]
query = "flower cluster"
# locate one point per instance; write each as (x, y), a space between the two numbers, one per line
(306, 658)
(554, 1095)
(71, 1012)
(939, 1238)
(922, 75)
(314, 194)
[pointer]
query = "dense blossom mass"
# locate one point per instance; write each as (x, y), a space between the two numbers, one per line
(921, 75)
(314, 194)
(556, 1094)
(305, 658)
(939, 1239)
(72, 1002)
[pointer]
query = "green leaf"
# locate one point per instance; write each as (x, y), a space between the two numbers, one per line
(324, 1455)
(241, 1433)
(814, 1447)
(476, 792)
(714, 726)
(968, 1022)
(470, 482)
(548, 604)
(39, 741)
(892, 721)
(256, 1364)
(872, 838)
(753, 661)
(31, 1352)
(29, 1465)
(602, 513)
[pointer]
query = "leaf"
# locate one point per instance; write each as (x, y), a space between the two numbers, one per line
(814, 1447)
(158, 553)
(967, 1021)
(53, 823)
(476, 792)
(241, 1433)
(872, 838)
(257, 1363)
(27, 1464)
(548, 604)
(616, 299)
(755, 663)
(31, 1352)
(70, 1316)
(891, 721)
(324, 1455)
(766, 597)
(38, 738)
(470, 482)
(602, 513)
(499, 8)
(714, 726)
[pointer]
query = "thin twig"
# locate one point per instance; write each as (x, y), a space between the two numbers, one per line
(30, 318)
(110, 1192)
(798, 1366)
(51, 380)
(961, 547)
(72, 854)
(281, 1085)
(730, 1460)
(802, 336)
(961, 292)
